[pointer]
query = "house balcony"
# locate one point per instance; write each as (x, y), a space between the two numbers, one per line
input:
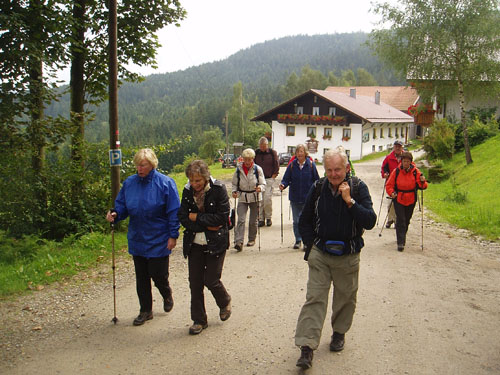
(424, 118)
(293, 118)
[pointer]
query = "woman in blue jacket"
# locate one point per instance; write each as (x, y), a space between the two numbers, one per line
(299, 175)
(151, 201)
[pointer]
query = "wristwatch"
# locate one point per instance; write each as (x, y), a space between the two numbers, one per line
(353, 202)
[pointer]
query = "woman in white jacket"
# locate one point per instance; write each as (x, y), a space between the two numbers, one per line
(248, 182)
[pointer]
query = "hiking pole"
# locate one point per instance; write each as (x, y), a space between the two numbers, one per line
(383, 226)
(281, 216)
(115, 319)
(422, 199)
(381, 202)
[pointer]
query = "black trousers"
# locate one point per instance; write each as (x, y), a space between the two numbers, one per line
(145, 270)
(403, 217)
(205, 270)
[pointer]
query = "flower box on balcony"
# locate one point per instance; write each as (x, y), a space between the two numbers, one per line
(310, 119)
(345, 139)
(327, 137)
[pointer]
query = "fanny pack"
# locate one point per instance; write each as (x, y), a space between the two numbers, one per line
(334, 247)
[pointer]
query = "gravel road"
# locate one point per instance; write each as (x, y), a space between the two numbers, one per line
(435, 311)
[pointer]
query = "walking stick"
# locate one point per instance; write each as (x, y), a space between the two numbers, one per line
(115, 319)
(281, 216)
(422, 199)
(383, 226)
(381, 202)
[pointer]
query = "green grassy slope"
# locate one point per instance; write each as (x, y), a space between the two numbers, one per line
(479, 183)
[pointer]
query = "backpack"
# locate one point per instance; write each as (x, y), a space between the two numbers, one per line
(256, 178)
(354, 185)
(406, 191)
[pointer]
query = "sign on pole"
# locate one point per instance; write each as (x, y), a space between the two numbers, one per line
(115, 158)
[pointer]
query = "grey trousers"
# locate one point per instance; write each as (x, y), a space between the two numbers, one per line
(241, 213)
(391, 214)
(266, 207)
(324, 269)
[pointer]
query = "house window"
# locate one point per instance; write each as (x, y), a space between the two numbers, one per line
(381, 133)
(315, 111)
(396, 133)
(402, 132)
(311, 132)
(291, 150)
(373, 148)
(374, 134)
(325, 150)
(332, 111)
(327, 133)
(348, 152)
(300, 110)
(381, 148)
(346, 134)
(290, 130)
(389, 131)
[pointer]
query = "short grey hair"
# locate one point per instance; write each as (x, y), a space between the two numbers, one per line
(330, 154)
(198, 167)
(263, 140)
(248, 153)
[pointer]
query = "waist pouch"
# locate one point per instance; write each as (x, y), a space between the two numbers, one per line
(334, 247)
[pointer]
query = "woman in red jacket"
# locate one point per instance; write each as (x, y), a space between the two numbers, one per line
(402, 186)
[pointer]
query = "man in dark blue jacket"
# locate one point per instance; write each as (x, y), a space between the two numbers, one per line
(336, 212)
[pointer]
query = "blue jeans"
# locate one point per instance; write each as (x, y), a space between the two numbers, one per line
(296, 211)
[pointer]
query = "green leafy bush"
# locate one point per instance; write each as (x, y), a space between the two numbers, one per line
(440, 142)
(477, 131)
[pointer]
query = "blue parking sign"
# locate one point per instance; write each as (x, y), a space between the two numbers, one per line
(115, 158)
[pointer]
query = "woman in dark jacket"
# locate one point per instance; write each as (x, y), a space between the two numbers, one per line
(204, 214)
(299, 175)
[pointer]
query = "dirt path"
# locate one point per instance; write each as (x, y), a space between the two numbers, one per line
(430, 312)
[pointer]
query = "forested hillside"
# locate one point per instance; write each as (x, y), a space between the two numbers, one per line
(188, 101)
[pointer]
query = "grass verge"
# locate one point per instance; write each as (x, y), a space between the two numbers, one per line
(51, 261)
(469, 198)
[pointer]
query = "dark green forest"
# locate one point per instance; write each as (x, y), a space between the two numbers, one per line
(190, 101)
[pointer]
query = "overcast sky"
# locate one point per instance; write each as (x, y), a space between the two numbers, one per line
(214, 30)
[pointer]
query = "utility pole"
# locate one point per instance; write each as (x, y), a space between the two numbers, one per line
(227, 131)
(241, 110)
(114, 144)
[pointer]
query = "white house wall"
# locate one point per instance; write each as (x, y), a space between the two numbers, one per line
(381, 143)
(281, 141)
(453, 107)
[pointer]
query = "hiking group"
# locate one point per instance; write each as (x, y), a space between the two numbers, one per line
(330, 215)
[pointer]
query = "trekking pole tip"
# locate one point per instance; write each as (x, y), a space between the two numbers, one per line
(114, 320)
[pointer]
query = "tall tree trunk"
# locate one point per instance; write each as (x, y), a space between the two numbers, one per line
(463, 120)
(77, 85)
(36, 110)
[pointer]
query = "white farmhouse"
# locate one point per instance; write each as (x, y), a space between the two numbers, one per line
(324, 119)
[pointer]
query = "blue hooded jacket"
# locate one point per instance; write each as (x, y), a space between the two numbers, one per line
(300, 180)
(152, 203)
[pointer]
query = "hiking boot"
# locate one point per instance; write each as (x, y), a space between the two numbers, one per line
(196, 328)
(251, 243)
(225, 312)
(337, 343)
(269, 222)
(238, 247)
(142, 317)
(297, 245)
(401, 247)
(168, 304)
(306, 357)
(389, 223)
(261, 223)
